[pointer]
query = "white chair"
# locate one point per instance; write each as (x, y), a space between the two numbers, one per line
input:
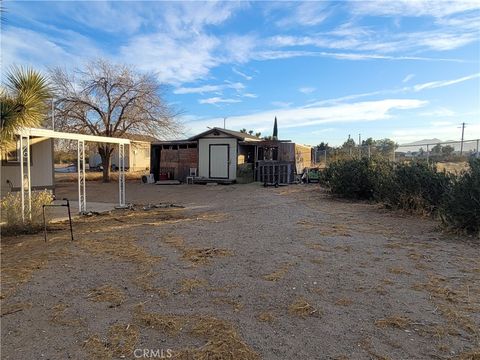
(192, 175)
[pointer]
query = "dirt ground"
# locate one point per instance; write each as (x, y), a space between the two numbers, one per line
(241, 272)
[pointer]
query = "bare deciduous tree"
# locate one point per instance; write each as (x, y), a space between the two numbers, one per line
(111, 100)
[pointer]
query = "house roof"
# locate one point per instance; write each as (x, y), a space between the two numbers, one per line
(139, 137)
(236, 134)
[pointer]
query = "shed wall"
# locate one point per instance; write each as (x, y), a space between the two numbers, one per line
(41, 169)
(204, 154)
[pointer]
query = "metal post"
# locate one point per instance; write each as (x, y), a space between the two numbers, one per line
(461, 144)
(29, 179)
(53, 114)
(25, 177)
(428, 153)
(325, 156)
(82, 200)
(22, 179)
(121, 174)
(477, 155)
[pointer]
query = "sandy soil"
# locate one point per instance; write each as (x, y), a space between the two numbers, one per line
(242, 272)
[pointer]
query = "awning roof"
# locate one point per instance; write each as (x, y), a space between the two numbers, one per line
(70, 136)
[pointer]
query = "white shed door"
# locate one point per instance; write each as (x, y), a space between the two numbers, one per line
(219, 161)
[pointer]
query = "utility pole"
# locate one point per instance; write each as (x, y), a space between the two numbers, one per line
(359, 146)
(461, 144)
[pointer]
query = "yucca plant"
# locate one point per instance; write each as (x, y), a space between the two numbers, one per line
(23, 102)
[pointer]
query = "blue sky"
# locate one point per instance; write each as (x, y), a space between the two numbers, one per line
(408, 70)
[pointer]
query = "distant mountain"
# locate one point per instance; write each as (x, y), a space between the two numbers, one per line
(424, 141)
(416, 145)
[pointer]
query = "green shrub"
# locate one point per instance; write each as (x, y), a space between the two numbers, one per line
(416, 187)
(461, 207)
(356, 179)
(11, 211)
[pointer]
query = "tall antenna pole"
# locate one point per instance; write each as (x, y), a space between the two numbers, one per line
(461, 144)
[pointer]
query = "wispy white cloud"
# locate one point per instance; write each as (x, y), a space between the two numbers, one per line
(209, 88)
(307, 13)
(250, 95)
(182, 60)
(412, 8)
(238, 72)
(438, 112)
(408, 78)
(443, 83)
(307, 89)
(218, 100)
(299, 117)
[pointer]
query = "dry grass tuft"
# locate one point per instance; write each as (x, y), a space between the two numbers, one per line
(278, 274)
(195, 255)
(203, 255)
(107, 293)
(188, 285)
(453, 315)
(121, 342)
(400, 322)
(302, 308)
(60, 317)
(469, 355)
(97, 349)
(344, 302)
(123, 339)
(168, 323)
(399, 270)
(223, 342)
(14, 308)
(266, 316)
(237, 306)
(124, 248)
(144, 280)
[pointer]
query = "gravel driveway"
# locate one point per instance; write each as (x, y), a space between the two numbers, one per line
(241, 272)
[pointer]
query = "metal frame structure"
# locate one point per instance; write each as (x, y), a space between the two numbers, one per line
(26, 183)
(25, 164)
(121, 174)
(82, 198)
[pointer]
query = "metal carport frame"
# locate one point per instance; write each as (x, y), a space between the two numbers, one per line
(26, 185)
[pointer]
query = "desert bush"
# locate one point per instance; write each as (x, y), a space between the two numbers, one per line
(461, 206)
(356, 179)
(11, 211)
(416, 187)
